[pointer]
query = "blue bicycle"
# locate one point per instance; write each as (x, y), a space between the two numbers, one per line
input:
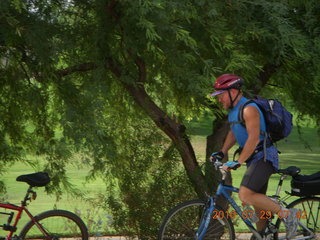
(204, 220)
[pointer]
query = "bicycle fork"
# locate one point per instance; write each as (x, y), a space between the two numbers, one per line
(205, 220)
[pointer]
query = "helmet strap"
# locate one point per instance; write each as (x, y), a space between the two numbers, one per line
(233, 100)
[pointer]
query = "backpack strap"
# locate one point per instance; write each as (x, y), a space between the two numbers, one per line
(241, 121)
(240, 116)
(234, 123)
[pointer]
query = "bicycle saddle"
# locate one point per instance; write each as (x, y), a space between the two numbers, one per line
(291, 171)
(39, 179)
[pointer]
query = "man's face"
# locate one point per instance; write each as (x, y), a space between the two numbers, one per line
(224, 99)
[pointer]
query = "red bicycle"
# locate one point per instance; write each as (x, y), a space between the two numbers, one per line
(50, 225)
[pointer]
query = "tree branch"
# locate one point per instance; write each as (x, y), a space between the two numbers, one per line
(142, 69)
(264, 76)
(83, 67)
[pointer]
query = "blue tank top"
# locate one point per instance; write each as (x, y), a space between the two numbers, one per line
(241, 135)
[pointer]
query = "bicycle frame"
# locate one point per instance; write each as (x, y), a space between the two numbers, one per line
(19, 209)
(223, 190)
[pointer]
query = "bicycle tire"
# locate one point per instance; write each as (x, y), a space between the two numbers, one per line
(309, 216)
(59, 224)
(182, 222)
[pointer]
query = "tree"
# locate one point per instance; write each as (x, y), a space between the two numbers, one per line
(77, 76)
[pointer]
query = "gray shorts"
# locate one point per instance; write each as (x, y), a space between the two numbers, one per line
(257, 176)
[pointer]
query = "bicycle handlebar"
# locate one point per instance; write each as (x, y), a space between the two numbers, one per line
(218, 165)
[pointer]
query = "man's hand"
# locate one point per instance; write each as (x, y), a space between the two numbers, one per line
(231, 165)
(216, 156)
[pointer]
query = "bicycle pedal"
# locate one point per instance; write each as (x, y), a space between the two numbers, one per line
(272, 228)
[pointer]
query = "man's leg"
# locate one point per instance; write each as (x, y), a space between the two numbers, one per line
(262, 223)
(254, 187)
(260, 202)
(252, 191)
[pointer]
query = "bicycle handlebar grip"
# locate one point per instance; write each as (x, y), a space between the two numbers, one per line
(233, 165)
(236, 166)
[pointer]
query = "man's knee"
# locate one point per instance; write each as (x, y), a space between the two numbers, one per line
(246, 195)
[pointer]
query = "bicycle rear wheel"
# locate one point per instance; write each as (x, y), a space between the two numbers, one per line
(59, 224)
(183, 221)
(309, 216)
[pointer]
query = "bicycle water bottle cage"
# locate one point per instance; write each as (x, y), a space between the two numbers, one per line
(39, 179)
(7, 227)
(291, 171)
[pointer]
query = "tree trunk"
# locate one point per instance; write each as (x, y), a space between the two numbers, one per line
(214, 143)
(174, 130)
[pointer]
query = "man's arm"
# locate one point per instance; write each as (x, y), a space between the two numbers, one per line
(252, 121)
(228, 143)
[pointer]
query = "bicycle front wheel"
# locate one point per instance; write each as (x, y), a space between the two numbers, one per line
(309, 216)
(183, 221)
(55, 224)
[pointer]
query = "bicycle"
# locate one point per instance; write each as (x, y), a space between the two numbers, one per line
(49, 225)
(202, 220)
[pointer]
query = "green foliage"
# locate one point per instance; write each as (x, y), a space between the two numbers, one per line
(149, 184)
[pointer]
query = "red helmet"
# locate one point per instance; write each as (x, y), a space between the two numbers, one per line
(226, 82)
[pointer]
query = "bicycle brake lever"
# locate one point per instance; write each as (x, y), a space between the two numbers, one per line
(217, 164)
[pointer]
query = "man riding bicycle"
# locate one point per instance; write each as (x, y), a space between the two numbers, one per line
(261, 159)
